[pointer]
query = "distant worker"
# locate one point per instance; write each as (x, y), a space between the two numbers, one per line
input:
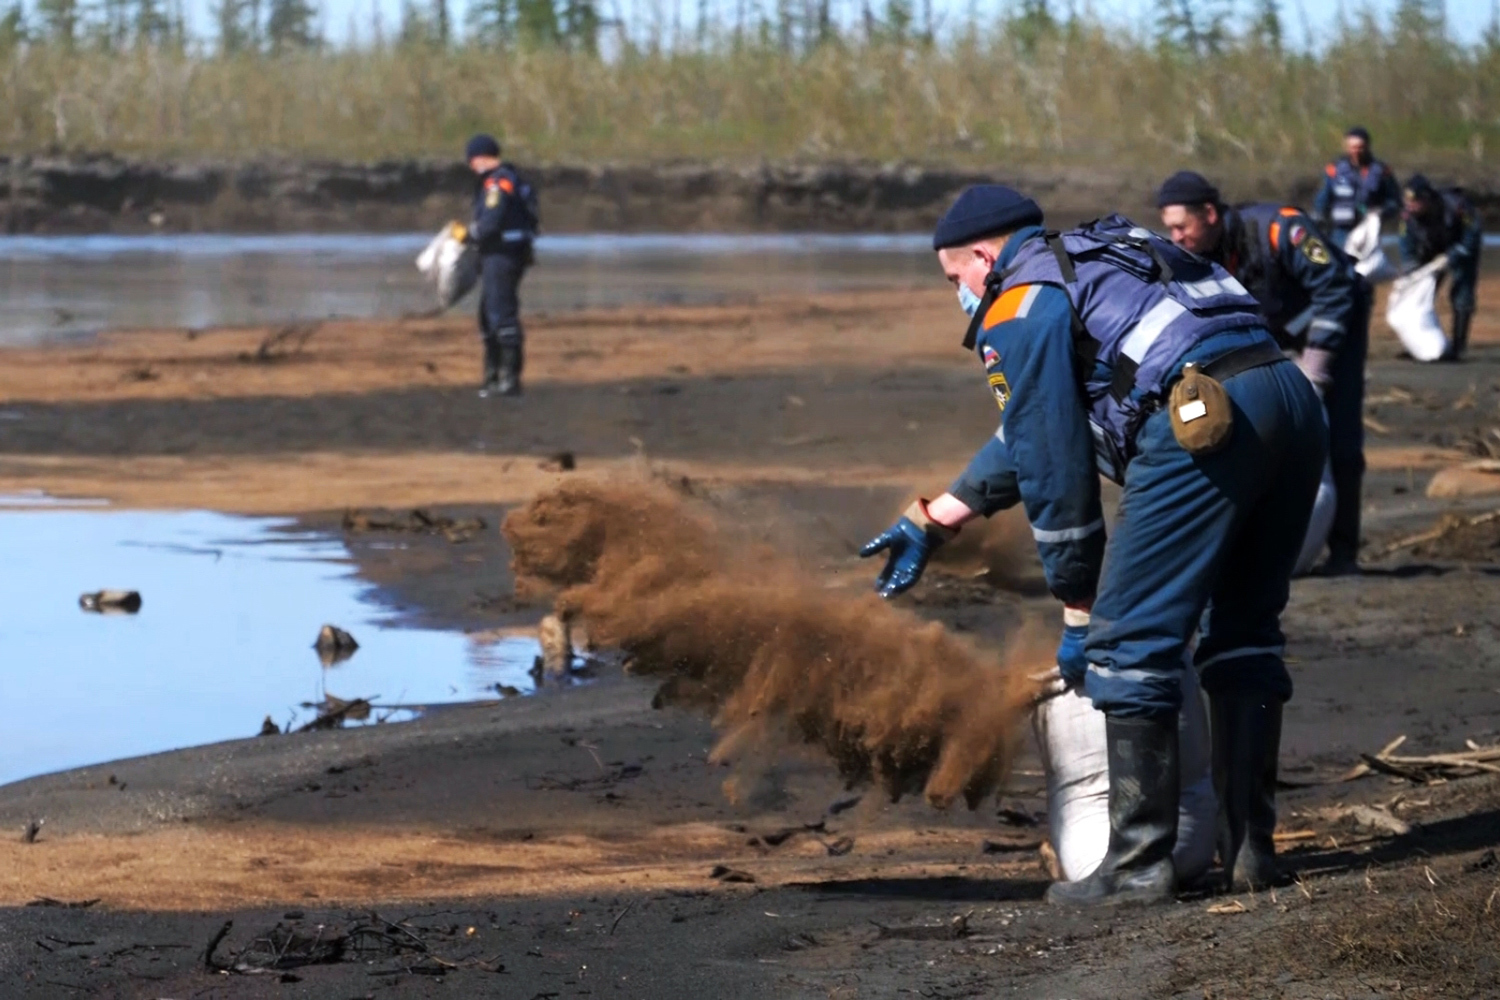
(504, 227)
(1354, 186)
(1435, 223)
(1312, 299)
(1110, 350)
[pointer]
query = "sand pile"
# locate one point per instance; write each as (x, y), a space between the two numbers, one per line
(739, 631)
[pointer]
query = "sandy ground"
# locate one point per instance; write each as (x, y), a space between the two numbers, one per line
(570, 838)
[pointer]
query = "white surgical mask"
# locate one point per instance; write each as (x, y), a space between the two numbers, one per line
(967, 300)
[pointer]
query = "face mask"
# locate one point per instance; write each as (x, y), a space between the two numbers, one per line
(967, 300)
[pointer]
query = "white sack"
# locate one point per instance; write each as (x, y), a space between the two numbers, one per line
(450, 265)
(1320, 525)
(1071, 736)
(1412, 314)
(1363, 244)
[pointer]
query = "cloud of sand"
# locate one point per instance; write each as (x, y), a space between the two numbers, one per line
(742, 632)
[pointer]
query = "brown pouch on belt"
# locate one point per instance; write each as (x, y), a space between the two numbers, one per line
(1202, 417)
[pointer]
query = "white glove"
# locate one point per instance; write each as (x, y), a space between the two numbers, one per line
(1317, 365)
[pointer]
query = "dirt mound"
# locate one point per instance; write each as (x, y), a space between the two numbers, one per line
(736, 629)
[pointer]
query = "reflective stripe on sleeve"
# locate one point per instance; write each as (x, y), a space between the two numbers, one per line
(1067, 534)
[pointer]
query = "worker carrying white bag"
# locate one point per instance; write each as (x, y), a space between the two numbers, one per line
(1071, 736)
(1363, 244)
(450, 263)
(1411, 311)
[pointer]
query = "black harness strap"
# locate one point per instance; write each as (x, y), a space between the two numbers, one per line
(992, 283)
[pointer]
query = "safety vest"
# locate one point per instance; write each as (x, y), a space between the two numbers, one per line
(1353, 187)
(1139, 304)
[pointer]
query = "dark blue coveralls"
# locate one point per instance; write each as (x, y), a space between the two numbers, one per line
(1079, 369)
(1350, 191)
(1312, 296)
(503, 230)
(1453, 227)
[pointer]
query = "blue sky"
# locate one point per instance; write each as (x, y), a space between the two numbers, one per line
(1468, 18)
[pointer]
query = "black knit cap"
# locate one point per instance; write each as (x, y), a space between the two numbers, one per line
(1186, 188)
(984, 210)
(1418, 186)
(481, 145)
(1358, 132)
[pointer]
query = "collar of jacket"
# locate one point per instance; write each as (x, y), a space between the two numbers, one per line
(1013, 246)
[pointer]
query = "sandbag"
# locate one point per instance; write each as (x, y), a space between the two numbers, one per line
(1412, 314)
(1070, 733)
(450, 265)
(1321, 523)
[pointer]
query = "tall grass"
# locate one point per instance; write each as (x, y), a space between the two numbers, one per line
(1079, 94)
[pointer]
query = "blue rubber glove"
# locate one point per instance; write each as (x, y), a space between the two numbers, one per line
(1071, 662)
(908, 544)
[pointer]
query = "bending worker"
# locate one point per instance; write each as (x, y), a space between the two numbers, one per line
(503, 229)
(1108, 348)
(1354, 186)
(1311, 298)
(1435, 223)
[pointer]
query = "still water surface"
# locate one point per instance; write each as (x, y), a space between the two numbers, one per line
(223, 639)
(56, 287)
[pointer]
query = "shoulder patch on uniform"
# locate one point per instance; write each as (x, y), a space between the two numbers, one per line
(990, 356)
(491, 195)
(1012, 304)
(1297, 234)
(1314, 250)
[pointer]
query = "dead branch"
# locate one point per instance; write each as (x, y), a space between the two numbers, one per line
(1446, 527)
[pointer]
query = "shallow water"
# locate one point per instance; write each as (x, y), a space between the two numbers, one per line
(57, 287)
(231, 607)
(68, 286)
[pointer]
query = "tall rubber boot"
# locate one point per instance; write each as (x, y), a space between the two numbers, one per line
(511, 358)
(1246, 744)
(1460, 344)
(492, 363)
(1143, 794)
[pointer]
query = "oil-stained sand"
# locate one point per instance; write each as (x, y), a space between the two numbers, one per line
(577, 832)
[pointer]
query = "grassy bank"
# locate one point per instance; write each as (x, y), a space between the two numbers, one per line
(1060, 94)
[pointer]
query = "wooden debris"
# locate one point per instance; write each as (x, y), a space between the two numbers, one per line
(954, 929)
(111, 602)
(334, 712)
(724, 873)
(1287, 836)
(1370, 817)
(1233, 906)
(1375, 425)
(1430, 767)
(1447, 526)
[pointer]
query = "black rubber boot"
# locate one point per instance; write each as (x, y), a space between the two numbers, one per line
(491, 384)
(1460, 344)
(1143, 794)
(511, 358)
(1246, 743)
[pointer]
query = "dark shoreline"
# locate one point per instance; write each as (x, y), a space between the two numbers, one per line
(107, 194)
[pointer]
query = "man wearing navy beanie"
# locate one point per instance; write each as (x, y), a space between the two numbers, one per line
(1313, 301)
(503, 227)
(1083, 335)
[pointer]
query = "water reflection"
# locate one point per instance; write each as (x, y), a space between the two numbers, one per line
(57, 287)
(224, 638)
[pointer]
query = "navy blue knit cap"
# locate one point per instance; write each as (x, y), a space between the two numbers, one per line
(984, 210)
(481, 145)
(1358, 132)
(1418, 186)
(1186, 188)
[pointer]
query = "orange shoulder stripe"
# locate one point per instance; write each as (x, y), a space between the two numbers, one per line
(1012, 304)
(1275, 235)
(1330, 170)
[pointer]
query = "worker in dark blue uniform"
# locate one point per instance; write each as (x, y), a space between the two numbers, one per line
(1090, 339)
(1353, 186)
(1435, 223)
(1312, 299)
(503, 228)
